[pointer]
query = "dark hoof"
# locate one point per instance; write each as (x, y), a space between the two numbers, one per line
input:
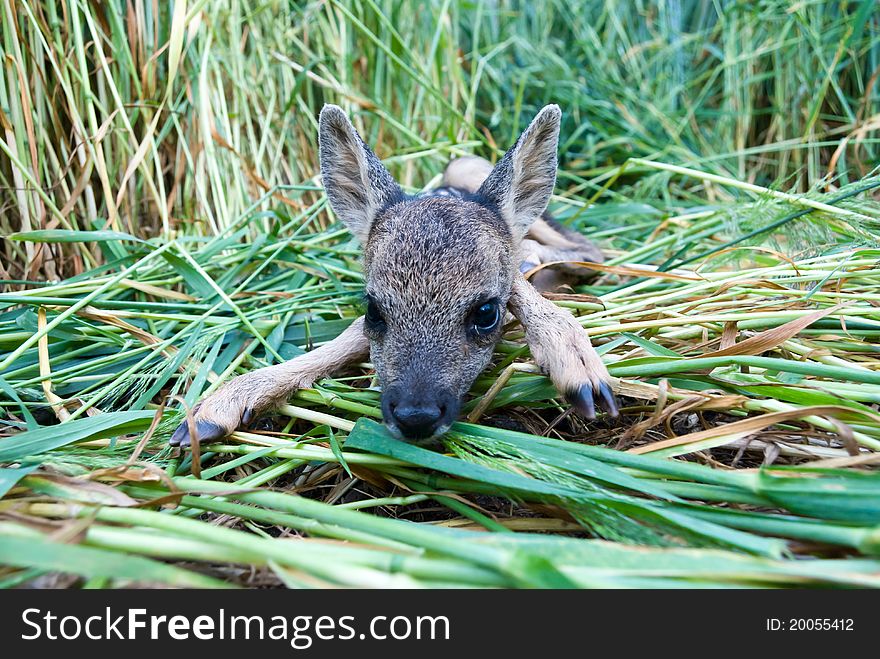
(581, 399)
(607, 401)
(207, 432)
(584, 400)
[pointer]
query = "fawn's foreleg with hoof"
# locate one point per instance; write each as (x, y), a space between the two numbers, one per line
(242, 399)
(563, 350)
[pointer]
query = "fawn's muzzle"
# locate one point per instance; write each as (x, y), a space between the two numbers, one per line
(418, 413)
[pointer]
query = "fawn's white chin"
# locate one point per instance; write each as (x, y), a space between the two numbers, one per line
(421, 441)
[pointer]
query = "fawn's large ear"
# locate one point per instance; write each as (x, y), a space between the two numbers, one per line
(357, 183)
(521, 183)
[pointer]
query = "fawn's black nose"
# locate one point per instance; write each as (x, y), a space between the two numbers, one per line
(417, 421)
(417, 415)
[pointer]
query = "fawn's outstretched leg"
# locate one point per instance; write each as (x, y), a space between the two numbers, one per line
(563, 350)
(243, 398)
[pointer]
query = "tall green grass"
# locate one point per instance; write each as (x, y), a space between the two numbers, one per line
(115, 117)
(165, 229)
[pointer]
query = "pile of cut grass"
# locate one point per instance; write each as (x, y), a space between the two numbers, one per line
(165, 231)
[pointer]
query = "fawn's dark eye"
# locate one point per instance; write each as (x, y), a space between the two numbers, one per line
(485, 318)
(373, 315)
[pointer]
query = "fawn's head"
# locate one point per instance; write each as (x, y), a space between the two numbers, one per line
(438, 269)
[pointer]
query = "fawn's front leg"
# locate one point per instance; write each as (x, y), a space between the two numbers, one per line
(563, 350)
(243, 398)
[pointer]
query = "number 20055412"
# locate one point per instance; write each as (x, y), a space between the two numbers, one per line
(810, 624)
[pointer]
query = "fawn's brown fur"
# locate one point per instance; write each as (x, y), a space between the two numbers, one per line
(440, 268)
